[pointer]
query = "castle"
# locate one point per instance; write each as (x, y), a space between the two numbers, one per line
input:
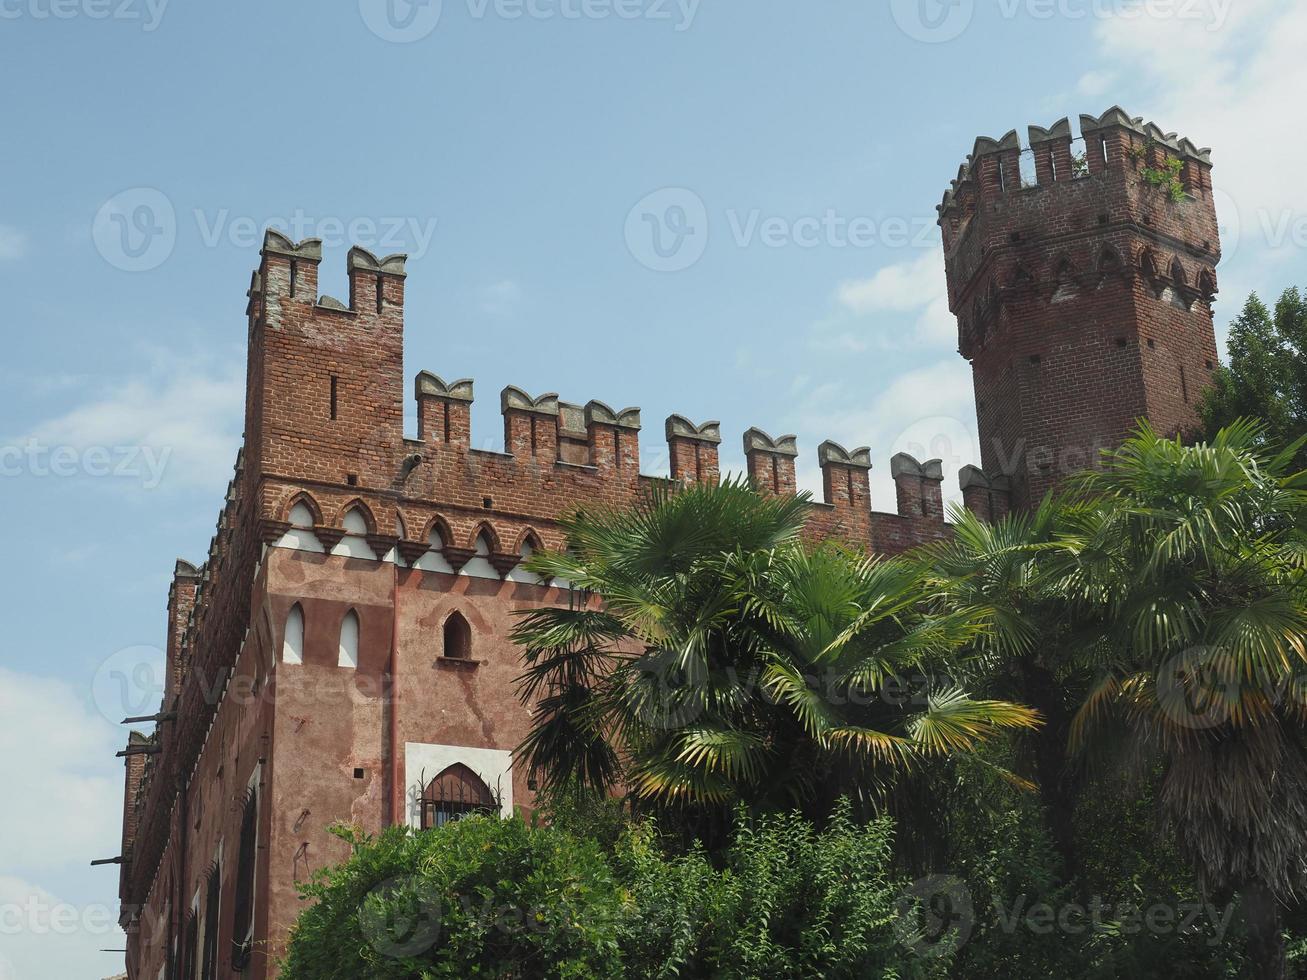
(344, 652)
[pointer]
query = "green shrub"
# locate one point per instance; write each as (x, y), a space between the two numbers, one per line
(481, 897)
(484, 897)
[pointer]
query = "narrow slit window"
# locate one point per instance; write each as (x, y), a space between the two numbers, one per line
(381, 282)
(292, 645)
(349, 641)
(335, 397)
(294, 276)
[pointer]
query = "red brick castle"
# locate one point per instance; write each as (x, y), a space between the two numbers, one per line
(343, 654)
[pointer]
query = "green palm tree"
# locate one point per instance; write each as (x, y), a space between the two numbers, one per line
(716, 659)
(1010, 577)
(1195, 562)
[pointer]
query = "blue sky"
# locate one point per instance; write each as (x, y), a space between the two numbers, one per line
(511, 148)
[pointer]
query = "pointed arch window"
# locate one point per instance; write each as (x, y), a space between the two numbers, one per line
(300, 537)
(519, 574)
(479, 566)
(292, 644)
(355, 542)
(457, 638)
(456, 793)
(434, 560)
(349, 641)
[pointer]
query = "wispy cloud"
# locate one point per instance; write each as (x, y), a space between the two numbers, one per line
(13, 243)
(65, 779)
(928, 412)
(869, 311)
(1223, 83)
(175, 424)
(501, 298)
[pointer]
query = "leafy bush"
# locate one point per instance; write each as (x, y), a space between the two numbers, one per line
(790, 902)
(481, 897)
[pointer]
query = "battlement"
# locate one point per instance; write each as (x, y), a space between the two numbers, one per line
(327, 474)
(1082, 271)
(1114, 141)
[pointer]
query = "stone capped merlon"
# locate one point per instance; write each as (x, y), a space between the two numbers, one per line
(755, 440)
(1059, 130)
(571, 419)
(434, 386)
(678, 426)
(833, 452)
(331, 303)
(184, 569)
(363, 260)
(1115, 116)
(905, 464)
(964, 175)
(597, 411)
(974, 476)
(985, 145)
(1172, 141)
(278, 244)
(516, 398)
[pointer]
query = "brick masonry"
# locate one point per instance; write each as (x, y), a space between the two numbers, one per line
(1059, 290)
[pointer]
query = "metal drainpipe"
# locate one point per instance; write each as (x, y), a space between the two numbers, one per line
(396, 794)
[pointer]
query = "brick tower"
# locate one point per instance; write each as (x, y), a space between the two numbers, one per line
(1083, 294)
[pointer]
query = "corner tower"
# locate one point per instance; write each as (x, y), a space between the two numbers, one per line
(1083, 290)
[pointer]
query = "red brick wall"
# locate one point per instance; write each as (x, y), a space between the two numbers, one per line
(1084, 302)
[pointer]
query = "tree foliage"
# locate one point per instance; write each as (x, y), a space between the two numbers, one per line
(729, 662)
(1266, 378)
(499, 898)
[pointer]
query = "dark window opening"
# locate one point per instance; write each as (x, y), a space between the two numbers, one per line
(458, 638)
(352, 479)
(294, 275)
(189, 945)
(359, 773)
(380, 292)
(1184, 387)
(487, 503)
(212, 894)
(243, 902)
(335, 397)
(456, 793)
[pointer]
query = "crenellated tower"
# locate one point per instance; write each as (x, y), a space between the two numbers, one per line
(1082, 273)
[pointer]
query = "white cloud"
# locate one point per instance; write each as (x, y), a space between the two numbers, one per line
(46, 937)
(64, 793)
(900, 288)
(177, 424)
(915, 286)
(1228, 81)
(1095, 83)
(64, 785)
(13, 243)
(500, 298)
(928, 412)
